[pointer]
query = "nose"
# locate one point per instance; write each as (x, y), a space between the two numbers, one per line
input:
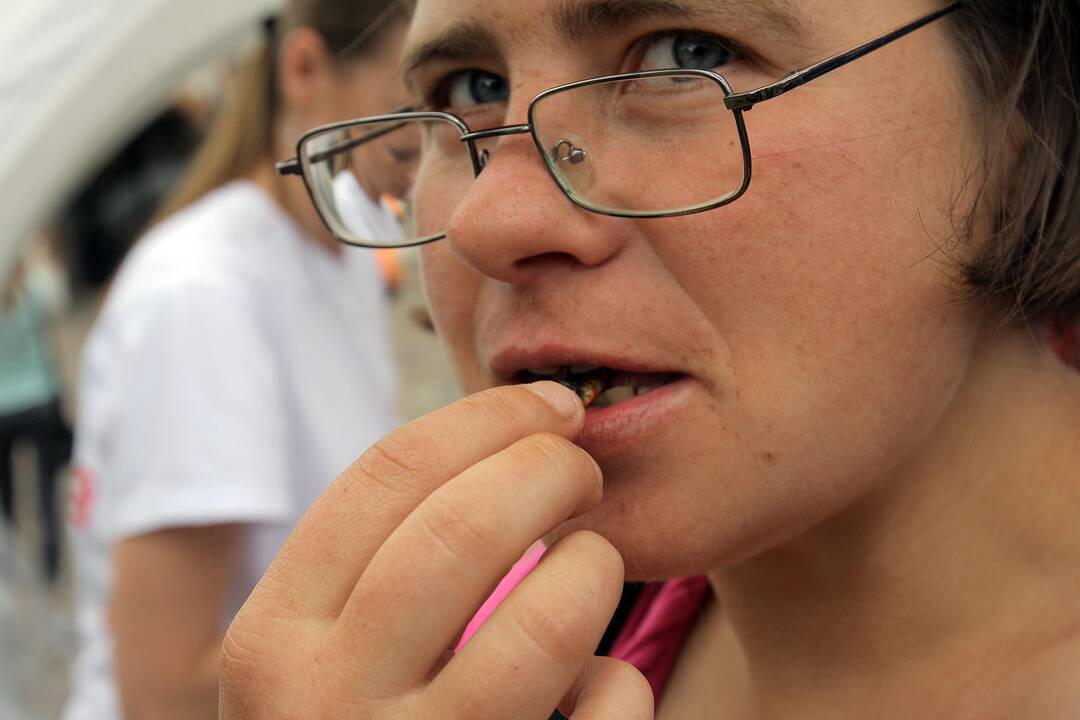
(514, 222)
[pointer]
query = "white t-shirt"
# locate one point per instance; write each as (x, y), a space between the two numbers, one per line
(236, 368)
(363, 216)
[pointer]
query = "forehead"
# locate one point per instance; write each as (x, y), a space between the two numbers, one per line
(556, 13)
(447, 28)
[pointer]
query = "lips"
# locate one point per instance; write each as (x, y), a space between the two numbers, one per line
(600, 386)
(647, 388)
(600, 380)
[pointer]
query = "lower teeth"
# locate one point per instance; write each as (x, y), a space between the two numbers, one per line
(646, 389)
(614, 395)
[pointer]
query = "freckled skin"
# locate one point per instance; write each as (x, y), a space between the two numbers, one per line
(807, 309)
(877, 481)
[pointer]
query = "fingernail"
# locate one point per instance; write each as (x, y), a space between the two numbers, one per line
(563, 399)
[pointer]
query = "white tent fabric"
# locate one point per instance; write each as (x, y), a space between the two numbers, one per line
(77, 78)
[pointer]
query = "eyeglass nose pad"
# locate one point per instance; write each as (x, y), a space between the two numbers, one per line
(566, 151)
(573, 162)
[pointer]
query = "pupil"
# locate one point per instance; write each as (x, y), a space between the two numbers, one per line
(487, 88)
(697, 52)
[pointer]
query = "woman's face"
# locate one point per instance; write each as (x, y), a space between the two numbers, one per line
(807, 336)
(369, 84)
(319, 88)
(372, 85)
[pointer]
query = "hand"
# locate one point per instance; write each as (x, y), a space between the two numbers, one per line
(357, 615)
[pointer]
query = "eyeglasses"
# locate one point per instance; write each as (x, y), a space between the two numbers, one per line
(650, 144)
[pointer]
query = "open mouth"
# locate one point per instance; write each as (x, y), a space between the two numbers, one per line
(599, 386)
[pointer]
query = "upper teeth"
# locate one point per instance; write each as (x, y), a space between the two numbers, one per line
(619, 393)
(556, 369)
(582, 369)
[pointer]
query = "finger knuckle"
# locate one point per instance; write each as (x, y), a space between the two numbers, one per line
(395, 465)
(246, 654)
(603, 558)
(557, 450)
(466, 535)
(498, 404)
(274, 598)
(612, 684)
(513, 404)
(632, 684)
(556, 623)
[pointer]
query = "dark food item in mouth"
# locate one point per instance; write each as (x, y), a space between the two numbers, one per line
(592, 383)
(588, 385)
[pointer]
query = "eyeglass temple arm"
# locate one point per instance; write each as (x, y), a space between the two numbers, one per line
(292, 165)
(747, 100)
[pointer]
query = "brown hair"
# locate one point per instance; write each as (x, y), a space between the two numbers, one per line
(1021, 60)
(242, 134)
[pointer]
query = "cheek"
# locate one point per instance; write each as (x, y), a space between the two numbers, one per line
(827, 289)
(830, 287)
(451, 290)
(840, 257)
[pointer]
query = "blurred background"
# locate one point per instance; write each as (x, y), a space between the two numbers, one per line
(103, 105)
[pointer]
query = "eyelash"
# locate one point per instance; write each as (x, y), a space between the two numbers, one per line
(640, 45)
(434, 95)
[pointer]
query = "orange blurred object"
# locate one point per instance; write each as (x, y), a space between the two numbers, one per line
(389, 268)
(387, 258)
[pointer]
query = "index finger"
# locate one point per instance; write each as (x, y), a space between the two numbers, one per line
(319, 564)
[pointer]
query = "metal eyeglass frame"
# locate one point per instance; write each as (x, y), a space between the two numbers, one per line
(737, 103)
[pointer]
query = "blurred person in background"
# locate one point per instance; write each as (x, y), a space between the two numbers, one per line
(236, 329)
(30, 410)
(96, 230)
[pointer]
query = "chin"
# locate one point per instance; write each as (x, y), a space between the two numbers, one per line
(671, 512)
(690, 507)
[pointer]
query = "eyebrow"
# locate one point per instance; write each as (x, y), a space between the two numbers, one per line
(463, 40)
(581, 20)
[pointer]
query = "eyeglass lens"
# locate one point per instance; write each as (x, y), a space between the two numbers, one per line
(650, 145)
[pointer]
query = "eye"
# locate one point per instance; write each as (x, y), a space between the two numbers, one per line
(476, 87)
(404, 156)
(686, 50)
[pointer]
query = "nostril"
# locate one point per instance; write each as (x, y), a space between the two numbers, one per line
(544, 260)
